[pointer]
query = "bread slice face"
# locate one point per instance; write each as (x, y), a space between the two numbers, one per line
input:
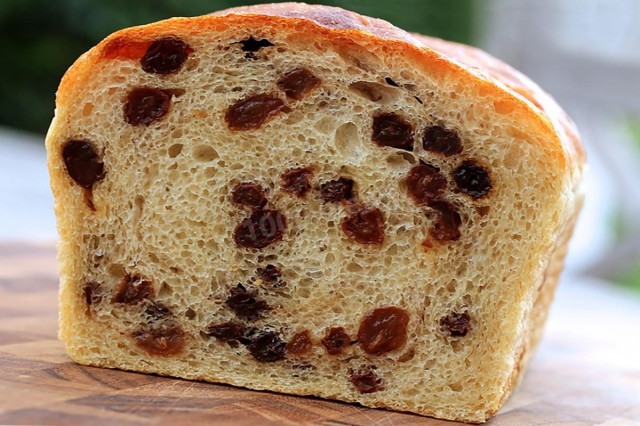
(300, 199)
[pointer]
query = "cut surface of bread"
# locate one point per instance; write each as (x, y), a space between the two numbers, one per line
(301, 199)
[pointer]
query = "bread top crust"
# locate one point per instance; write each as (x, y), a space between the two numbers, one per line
(493, 69)
(532, 108)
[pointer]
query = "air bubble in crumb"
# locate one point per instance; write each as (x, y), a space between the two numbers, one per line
(175, 150)
(347, 141)
(204, 153)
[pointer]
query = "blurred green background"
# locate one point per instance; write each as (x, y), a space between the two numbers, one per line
(40, 39)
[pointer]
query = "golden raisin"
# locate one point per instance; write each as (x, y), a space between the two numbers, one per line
(336, 340)
(300, 343)
(383, 330)
(164, 340)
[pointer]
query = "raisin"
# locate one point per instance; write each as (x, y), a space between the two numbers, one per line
(441, 140)
(244, 304)
(253, 45)
(82, 162)
(365, 225)
(229, 332)
(144, 105)
(266, 346)
(447, 225)
(425, 183)
(92, 293)
(158, 311)
(165, 56)
(249, 194)
(335, 191)
(335, 340)
(262, 228)
(297, 83)
(296, 181)
(472, 179)
(366, 380)
(300, 343)
(389, 129)
(272, 275)
(456, 324)
(383, 330)
(254, 111)
(133, 289)
(164, 340)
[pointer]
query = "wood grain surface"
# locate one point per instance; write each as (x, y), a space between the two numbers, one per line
(587, 370)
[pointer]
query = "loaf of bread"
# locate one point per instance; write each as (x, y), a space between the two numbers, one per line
(305, 200)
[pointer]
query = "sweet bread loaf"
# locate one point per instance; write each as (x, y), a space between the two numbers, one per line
(305, 200)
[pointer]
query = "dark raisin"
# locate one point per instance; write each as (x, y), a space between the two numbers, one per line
(254, 111)
(82, 162)
(244, 304)
(133, 289)
(447, 225)
(335, 340)
(366, 380)
(297, 83)
(163, 340)
(300, 343)
(383, 330)
(144, 105)
(441, 140)
(158, 311)
(266, 346)
(165, 56)
(472, 179)
(365, 225)
(253, 45)
(92, 293)
(297, 181)
(229, 332)
(249, 194)
(456, 324)
(335, 191)
(262, 228)
(272, 275)
(389, 129)
(425, 183)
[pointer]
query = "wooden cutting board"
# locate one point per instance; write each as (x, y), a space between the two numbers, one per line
(587, 370)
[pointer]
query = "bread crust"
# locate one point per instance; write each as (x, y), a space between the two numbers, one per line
(534, 111)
